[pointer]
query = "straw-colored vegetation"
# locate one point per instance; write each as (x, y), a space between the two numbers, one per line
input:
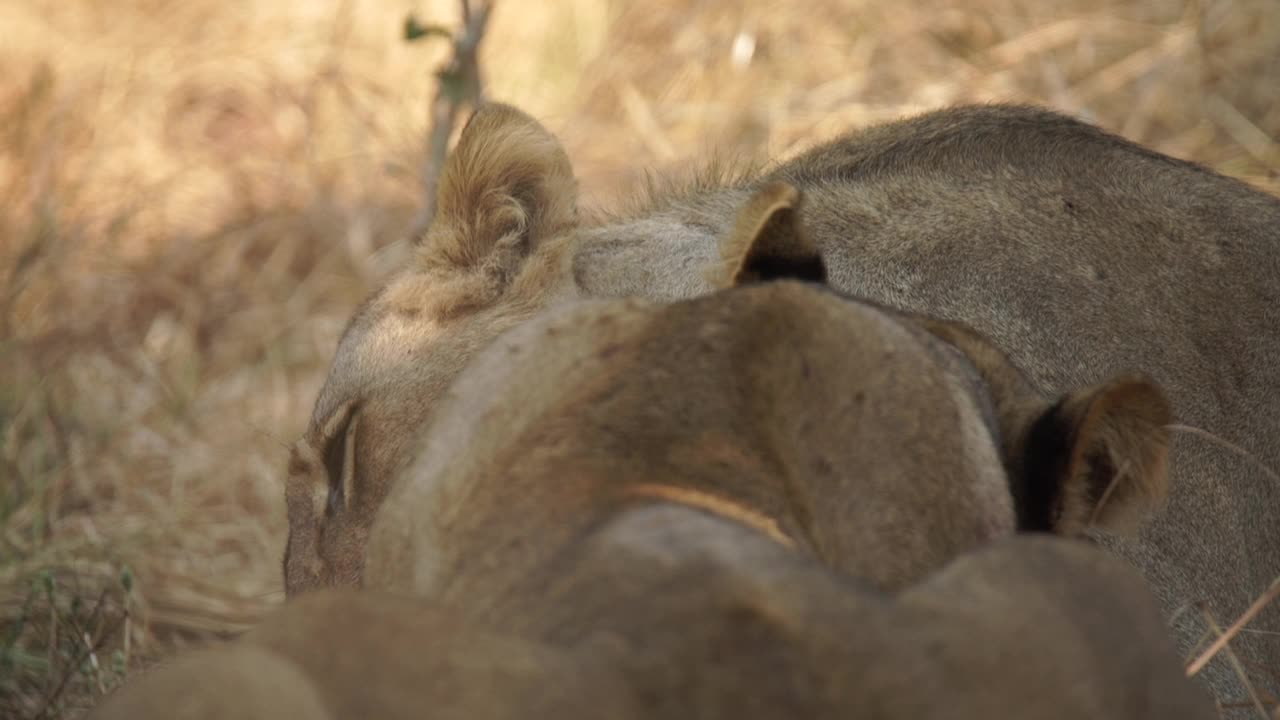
(195, 195)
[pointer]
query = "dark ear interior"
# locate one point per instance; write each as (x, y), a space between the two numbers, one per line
(319, 483)
(768, 242)
(1096, 458)
(338, 439)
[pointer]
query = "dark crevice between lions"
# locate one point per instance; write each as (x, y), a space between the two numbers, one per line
(1044, 460)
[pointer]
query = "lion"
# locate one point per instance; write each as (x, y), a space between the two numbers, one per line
(1077, 253)
(710, 616)
(668, 611)
(882, 444)
(347, 654)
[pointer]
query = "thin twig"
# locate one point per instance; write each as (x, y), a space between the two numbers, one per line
(1263, 600)
(128, 630)
(76, 658)
(1235, 665)
(79, 657)
(93, 662)
(459, 84)
(51, 651)
(1198, 646)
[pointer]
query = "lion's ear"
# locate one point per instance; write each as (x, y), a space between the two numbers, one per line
(323, 462)
(1099, 457)
(505, 188)
(321, 483)
(767, 242)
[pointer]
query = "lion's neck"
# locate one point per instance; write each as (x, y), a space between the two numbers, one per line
(657, 257)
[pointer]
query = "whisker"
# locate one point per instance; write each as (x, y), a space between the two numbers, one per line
(1228, 445)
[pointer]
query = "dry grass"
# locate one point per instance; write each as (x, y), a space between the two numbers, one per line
(195, 194)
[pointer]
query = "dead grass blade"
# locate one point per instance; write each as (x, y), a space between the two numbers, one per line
(1222, 442)
(1245, 618)
(180, 249)
(1235, 661)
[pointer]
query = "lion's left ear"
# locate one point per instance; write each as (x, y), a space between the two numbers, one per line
(767, 242)
(1099, 456)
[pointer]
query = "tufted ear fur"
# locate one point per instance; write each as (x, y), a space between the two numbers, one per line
(507, 187)
(1095, 458)
(1098, 457)
(767, 241)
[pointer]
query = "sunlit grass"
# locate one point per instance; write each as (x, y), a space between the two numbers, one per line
(196, 194)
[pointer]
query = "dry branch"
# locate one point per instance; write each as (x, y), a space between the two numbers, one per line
(459, 84)
(1263, 600)
(1236, 665)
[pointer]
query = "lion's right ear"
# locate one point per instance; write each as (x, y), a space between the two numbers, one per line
(321, 483)
(505, 188)
(767, 242)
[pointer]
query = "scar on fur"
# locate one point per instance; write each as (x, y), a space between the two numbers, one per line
(716, 505)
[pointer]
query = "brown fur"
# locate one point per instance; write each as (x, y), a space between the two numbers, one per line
(713, 619)
(851, 429)
(672, 613)
(486, 264)
(1080, 255)
(1117, 431)
(341, 654)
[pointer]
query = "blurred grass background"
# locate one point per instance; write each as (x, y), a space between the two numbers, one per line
(196, 194)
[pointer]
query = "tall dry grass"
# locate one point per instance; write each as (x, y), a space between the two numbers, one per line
(195, 194)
